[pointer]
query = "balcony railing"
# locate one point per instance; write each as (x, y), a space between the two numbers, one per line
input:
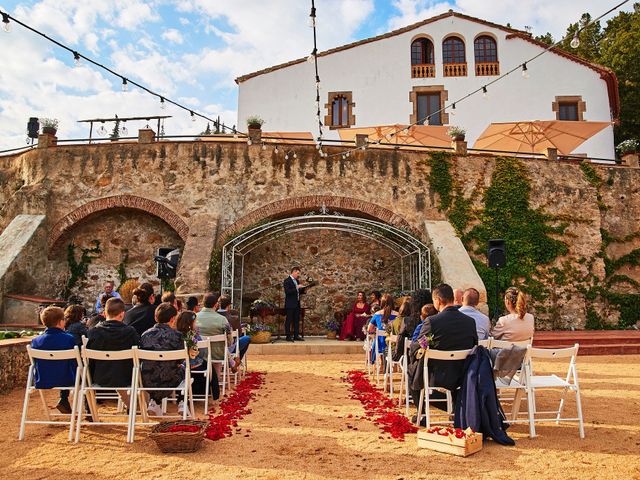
(426, 70)
(487, 69)
(455, 69)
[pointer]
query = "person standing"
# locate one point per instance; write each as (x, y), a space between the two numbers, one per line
(292, 291)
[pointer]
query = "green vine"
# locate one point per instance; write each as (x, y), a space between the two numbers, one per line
(440, 179)
(122, 268)
(78, 269)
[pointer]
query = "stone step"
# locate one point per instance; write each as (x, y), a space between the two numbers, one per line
(603, 337)
(604, 349)
(311, 346)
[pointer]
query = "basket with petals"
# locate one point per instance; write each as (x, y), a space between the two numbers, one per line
(181, 436)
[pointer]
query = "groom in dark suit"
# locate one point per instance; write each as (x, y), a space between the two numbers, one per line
(292, 291)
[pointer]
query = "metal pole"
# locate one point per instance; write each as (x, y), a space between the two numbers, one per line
(90, 132)
(241, 286)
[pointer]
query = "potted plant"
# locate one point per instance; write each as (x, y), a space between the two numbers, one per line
(49, 125)
(254, 123)
(259, 332)
(457, 133)
(332, 327)
(628, 146)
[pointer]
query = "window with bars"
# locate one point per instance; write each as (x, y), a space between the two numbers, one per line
(453, 50)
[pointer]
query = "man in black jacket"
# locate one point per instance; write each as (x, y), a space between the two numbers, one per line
(450, 330)
(111, 335)
(292, 292)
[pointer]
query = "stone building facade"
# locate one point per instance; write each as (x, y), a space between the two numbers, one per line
(197, 194)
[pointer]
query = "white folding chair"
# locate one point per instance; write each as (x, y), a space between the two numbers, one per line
(425, 393)
(390, 364)
(204, 344)
(379, 360)
(404, 379)
(242, 368)
(184, 387)
(108, 394)
(547, 382)
(485, 343)
(90, 391)
(53, 356)
(221, 365)
(368, 348)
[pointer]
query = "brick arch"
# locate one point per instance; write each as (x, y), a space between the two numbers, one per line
(69, 221)
(290, 206)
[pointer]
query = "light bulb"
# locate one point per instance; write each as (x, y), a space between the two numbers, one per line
(162, 104)
(525, 71)
(275, 150)
(124, 131)
(295, 155)
(235, 135)
(310, 58)
(125, 85)
(286, 157)
(575, 41)
(318, 146)
(193, 117)
(102, 130)
(264, 147)
(249, 142)
(312, 22)
(485, 95)
(347, 154)
(76, 59)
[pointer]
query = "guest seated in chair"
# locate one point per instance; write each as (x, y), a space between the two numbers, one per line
(356, 319)
(518, 325)
(450, 330)
(381, 320)
(50, 374)
(375, 298)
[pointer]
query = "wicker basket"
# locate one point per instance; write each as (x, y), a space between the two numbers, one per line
(178, 442)
(331, 335)
(261, 337)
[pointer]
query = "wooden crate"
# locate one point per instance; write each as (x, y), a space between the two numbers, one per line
(463, 447)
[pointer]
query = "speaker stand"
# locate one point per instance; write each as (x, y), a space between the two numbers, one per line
(497, 308)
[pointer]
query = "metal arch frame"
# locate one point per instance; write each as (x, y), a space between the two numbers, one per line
(414, 256)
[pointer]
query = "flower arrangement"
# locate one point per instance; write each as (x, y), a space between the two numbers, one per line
(254, 328)
(425, 342)
(254, 121)
(127, 288)
(332, 325)
(261, 304)
(628, 146)
(457, 133)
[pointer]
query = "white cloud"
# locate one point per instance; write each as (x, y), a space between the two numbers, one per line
(173, 35)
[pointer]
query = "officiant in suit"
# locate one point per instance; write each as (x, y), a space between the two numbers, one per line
(292, 291)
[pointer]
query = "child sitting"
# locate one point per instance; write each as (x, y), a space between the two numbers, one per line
(162, 336)
(55, 373)
(73, 324)
(186, 325)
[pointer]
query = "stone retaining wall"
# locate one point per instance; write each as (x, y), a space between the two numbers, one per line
(14, 363)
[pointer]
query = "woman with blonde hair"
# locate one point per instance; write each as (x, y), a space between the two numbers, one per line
(518, 325)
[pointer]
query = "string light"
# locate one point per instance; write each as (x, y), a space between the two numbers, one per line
(125, 85)
(312, 56)
(6, 18)
(6, 25)
(163, 105)
(525, 72)
(275, 150)
(193, 116)
(575, 41)
(453, 108)
(312, 17)
(264, 147)
(76, 59)
(249, 142)
(124, 130)
(485, 95)
(102, 130)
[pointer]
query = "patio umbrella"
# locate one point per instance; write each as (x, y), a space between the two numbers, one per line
(537, 136)
(424, 135)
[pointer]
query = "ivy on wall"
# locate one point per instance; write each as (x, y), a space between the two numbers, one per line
(78, 268)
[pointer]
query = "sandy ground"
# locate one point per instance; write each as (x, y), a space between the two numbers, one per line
(299, 430)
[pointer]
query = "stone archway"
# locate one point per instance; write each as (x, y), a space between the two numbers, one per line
(80, 214)
(290, 206)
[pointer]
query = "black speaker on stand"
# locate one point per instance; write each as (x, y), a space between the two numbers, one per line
(166, 259)
(496, 259)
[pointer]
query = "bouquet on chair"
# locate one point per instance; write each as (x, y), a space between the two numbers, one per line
(425, 343)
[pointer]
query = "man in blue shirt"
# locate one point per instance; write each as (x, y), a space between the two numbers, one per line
(55, 373)
(109, 290)
(470, 301)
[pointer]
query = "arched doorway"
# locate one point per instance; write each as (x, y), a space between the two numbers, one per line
(411, 256)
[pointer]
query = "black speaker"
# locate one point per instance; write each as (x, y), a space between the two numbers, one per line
(166, 262)
(33, 127)
(496, 253)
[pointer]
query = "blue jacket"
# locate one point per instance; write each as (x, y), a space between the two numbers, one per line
(477, 404)
(54, 373)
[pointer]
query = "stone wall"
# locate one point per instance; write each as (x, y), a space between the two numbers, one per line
(230, 183)
(15, 363)
(129, 234)
(342, 263)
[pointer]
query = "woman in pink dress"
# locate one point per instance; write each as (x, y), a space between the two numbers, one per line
(357, 318)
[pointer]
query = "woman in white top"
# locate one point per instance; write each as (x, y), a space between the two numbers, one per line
(518, 325)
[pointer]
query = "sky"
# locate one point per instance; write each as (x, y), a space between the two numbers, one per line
(192, 50)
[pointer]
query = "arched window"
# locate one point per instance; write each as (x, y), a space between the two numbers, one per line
(340, 111)
(486, 49)
(453, 50)
(422, 52)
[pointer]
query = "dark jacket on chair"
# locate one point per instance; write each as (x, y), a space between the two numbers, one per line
(451, 330)
(112, 335)
(477, 404)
